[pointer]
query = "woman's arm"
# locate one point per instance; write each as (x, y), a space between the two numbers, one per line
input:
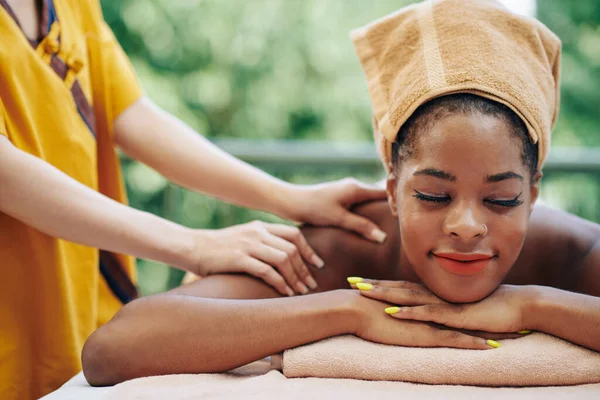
(158, 139)
(178, 332)
(46, 199)
(173, 333)
(572, 316)
(43, 197)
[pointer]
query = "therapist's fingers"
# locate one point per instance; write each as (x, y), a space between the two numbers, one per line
(360, 192)
(295, 259)
(265, 272)
(362, 226)
(294, 235)
(279, 260)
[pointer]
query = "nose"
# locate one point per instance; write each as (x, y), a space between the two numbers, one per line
(463, 222)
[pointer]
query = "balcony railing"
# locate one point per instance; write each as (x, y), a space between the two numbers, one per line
(291, 153)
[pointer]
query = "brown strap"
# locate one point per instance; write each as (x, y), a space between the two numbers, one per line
(116, 278)
(84, 107)
(42, 7)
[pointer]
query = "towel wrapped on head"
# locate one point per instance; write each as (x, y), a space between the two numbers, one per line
(436, 48)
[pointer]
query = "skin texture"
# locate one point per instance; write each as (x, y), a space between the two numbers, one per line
(530, 284)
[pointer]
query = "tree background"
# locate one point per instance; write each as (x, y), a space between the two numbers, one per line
(286, 69)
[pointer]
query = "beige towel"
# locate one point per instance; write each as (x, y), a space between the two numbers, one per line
(533, 360)
(260, 385)
(441, 47)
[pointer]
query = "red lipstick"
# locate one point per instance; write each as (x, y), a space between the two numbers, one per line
(463, 263)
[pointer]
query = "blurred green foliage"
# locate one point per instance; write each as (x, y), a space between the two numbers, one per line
(286, 69)
(577, 25)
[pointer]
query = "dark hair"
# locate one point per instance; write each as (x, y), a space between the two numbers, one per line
(432, 111)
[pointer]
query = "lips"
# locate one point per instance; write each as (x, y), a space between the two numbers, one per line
(463, 263)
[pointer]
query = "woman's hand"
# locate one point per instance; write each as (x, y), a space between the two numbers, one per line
(375, 325)
(328, 204)
(501, 311)
(274, 253)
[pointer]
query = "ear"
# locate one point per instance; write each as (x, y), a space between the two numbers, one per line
(392, 192)
(535, 189)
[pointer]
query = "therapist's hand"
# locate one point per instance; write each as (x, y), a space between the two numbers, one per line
(277, 254)
(328, 204)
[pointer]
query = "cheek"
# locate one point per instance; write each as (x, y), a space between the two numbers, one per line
(419, 230)
(509, 234)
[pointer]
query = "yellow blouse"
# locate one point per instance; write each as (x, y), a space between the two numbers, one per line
(52, 294)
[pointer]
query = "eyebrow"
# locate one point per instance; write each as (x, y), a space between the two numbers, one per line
(504, 176)
(447, 176)
(436, 173)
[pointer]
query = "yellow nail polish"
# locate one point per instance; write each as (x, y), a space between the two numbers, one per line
(354, 279)
(524, 331)
(392, 310)
(364, 286)
(493, 343)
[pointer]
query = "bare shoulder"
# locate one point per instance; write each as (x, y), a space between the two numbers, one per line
(556, 244)
(552, 226)
(347, 254)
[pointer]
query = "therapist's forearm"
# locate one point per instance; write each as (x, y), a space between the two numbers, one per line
(50, 201)
(156, 138)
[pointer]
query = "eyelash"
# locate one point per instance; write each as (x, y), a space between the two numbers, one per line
(443, 200)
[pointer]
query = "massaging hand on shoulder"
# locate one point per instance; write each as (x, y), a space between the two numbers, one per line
(150, 135)
(188, 159)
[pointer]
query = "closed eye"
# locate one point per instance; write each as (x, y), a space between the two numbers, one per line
(446, 199)
(431, 199)
(507, 203)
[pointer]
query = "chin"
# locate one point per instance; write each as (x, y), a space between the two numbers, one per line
(467, 292)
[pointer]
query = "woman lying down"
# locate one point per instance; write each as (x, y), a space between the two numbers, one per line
(464, 95)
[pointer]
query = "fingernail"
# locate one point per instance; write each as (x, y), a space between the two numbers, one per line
(289, 291)
(364, 286)
(317, 262)
(378, 235)
(311, 282)
(493, 343)
(392, 310)
(302, 288)
(354, 279)
(524, 331)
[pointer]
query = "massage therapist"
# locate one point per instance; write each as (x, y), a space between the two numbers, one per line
(70, 102)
